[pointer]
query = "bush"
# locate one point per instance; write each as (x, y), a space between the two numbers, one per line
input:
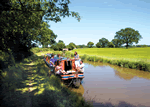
(84, 57)
(100, 59)
(139, 65)
(72, 55)
(95, 59)
(147, 67)
(89, 58)
(120, 63)
(125, 64)
(132, 65)
(105, 61)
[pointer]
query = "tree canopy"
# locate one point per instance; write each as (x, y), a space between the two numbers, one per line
(116, 42)
(24, 21)
(128, 36)
(60, 41)
(90, 44)
(60, 46)
(71, 46)
(103, 42)
(110, 45)
(98, 45)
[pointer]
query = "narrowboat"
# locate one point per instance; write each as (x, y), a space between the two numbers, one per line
(72, 77)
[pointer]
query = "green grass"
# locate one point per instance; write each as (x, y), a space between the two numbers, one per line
(131, 54)
(27, 84)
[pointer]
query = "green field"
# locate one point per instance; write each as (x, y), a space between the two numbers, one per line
(131, 54)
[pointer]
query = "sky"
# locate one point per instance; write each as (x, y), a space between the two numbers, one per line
(103, 18)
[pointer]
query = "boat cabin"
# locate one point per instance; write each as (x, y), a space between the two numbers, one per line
(69, 67)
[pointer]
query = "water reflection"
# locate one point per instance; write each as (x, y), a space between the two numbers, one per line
(123, 73)
(124, 76)
(104, 81)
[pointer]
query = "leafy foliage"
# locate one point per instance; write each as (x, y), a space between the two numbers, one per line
(128, 36)
(60, 46)
(23, 21)
(116, 42)
(90, 44)
(103, 42)
(71, 46)
(98, 45)
(111, 45)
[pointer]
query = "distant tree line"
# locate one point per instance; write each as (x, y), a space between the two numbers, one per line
(126, 36)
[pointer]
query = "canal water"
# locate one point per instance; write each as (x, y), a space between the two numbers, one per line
(108, 85)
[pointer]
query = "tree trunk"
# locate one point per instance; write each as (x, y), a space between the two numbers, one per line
(127, 45)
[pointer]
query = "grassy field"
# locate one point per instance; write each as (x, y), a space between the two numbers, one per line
(131, 54)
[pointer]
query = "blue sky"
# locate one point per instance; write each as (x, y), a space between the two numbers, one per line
(102, 18)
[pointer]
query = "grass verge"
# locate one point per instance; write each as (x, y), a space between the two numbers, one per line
(26, 84)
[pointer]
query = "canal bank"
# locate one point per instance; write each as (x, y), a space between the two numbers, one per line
(27, 84)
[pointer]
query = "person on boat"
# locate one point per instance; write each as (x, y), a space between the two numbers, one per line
(76, 57)
(58, 69)
(59, 57)
(52, 62)
(80, 68)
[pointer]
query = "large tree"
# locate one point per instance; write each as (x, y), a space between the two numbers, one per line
(25, 16)
(103, 42)
(45, 35)
(98, 45)
(110, 45)
(60, 46)
(60, 41)
(116, 42)
(128, 36)
(90, 44)
(71, 46)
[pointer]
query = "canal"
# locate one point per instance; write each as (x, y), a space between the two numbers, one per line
(107, 85)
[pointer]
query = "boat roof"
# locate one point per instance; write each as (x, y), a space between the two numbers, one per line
(55, 57)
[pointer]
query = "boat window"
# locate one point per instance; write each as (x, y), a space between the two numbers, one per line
(68, 65)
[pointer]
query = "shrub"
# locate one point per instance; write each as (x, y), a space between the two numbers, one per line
(132, 65)
(105, 60)
(84, 57)
(88, 58)
(114, 62)
(139, 65)
(147, 67)
(100, 59)
(72, 55)
(120, 63)
(96, 59)
(125, 64)
(92, 58)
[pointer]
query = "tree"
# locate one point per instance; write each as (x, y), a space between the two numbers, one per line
(116, 42)
(54, 47)
(34, 45)
(25, 16)
(60, 41)
(128, 36)
(45, 35)
(90, 44)
(60, 46)
(111, 45)
(98, 45)
(103, 42)
(82, 46)
(71, 46)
